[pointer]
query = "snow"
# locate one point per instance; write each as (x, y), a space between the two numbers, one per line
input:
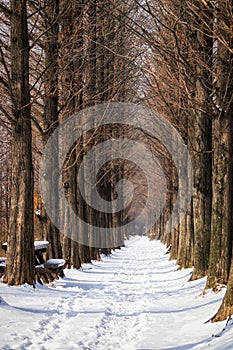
(56, 261)
(40, 244)
(134, 299)
(37, 244)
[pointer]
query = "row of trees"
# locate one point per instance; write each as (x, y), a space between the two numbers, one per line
(59, 57)
(191, 74)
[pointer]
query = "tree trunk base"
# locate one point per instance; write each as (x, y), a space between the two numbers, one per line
(222, 314)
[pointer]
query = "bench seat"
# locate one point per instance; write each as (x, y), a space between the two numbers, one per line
(51, 264)
(51, 269)
(54, 263)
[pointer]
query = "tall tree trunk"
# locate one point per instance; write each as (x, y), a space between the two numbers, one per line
(186, 241)
(221, 232)
(50, 231)
(200, 132)
(20, 266)
(72, 99)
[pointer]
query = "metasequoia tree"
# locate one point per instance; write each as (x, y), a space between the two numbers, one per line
(197, 60)
(221, 234)
(71, 82)
(170, 81)
(44, 30)
(200, 137)
(84, 71)
(5, 175)
(104, 80)
(51, 115)
(5, 123)
(221, 257)
(20, 251)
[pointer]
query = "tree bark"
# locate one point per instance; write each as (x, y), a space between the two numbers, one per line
(200, 132)
(20, 266)
(222, 203)
(50, 231)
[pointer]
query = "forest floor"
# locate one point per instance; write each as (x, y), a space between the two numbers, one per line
(134, 299)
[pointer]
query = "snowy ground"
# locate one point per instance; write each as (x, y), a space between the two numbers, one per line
(134, 299)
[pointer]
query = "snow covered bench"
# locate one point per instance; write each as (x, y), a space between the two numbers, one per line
(50, 270)
(46, 271)
(54, 263)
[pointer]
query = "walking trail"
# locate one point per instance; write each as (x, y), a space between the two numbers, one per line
(134, 299)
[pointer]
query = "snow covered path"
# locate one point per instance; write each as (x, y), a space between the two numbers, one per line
(134, 299)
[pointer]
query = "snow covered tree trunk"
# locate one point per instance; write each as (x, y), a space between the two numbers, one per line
(226, 308)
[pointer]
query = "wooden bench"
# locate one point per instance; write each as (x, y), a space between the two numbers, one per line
(54, 263)
(46, 271)
(50, 270)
